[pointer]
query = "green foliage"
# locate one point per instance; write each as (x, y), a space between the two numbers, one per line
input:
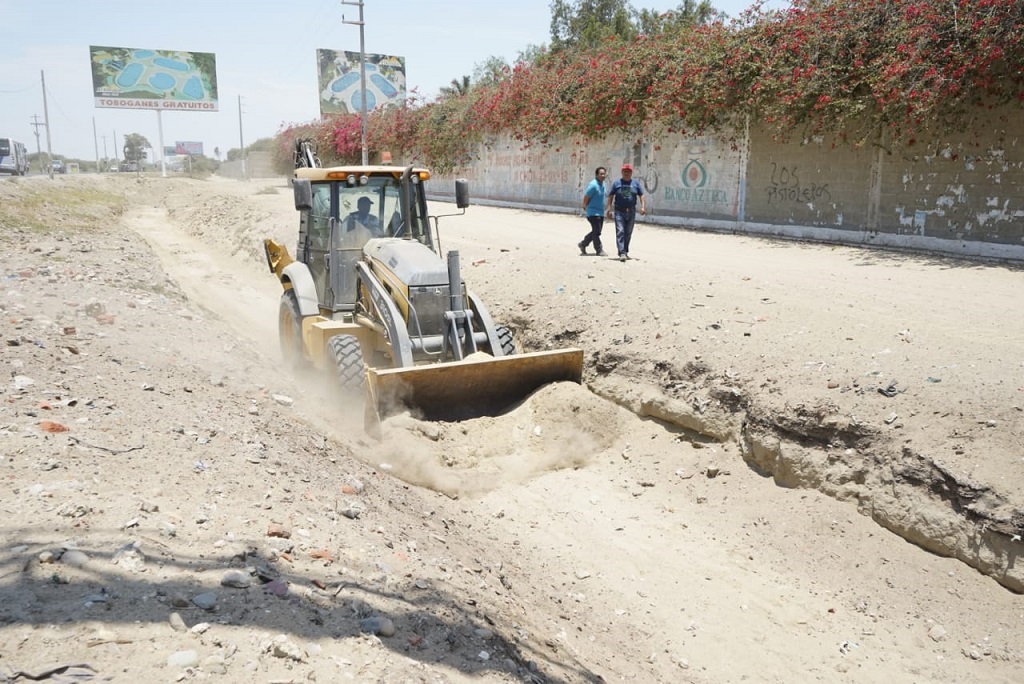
(203, 166)
(689, 13)
(588, 23)
(262, 145)
(858, 69)
(135, 146)
(457, 88)
(491, 71)
(531, 54)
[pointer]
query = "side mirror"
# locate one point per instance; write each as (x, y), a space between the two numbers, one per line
(461, 193)
(303, 194)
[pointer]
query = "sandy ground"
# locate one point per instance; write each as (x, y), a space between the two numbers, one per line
(729, 497)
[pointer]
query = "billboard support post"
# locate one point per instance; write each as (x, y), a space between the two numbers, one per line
(160, 134)
(96, 144)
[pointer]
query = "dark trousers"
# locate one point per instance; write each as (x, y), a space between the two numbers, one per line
(594, 236)
(624, 220)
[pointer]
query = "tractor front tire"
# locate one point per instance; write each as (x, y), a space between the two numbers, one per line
(350, 369)
(508, 343)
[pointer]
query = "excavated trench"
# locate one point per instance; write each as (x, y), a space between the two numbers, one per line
(903, 490)
(816, 447)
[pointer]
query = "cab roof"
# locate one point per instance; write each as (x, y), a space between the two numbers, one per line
(336, 172)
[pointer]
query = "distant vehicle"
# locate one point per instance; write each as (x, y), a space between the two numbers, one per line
(58, 166)
(13, 157)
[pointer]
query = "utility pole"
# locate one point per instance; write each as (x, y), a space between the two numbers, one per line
(46, 121)
(39, 152)
(105, 156)
(241, 143)
(362, 71)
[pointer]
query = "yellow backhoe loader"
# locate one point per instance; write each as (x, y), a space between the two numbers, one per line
(369, 300)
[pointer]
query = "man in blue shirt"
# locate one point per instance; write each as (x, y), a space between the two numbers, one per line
(623, 197)
(593, 206)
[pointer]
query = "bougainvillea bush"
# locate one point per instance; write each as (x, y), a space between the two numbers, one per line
(860, 69)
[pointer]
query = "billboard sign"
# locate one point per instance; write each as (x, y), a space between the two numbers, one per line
(339, 81)
(131, 78)
(190, 148)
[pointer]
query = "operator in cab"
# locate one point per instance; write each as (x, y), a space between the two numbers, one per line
(363, 218)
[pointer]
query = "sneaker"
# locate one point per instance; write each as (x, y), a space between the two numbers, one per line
(628, 257)
(602, 253)
(583, 248)
(623, 257)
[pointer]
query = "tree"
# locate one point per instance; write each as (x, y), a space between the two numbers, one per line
(588, 23)
(135, 146)
(216, 152)
(690, 13)
(457, 88)
(531, 54)
(492, 70)
(261, 145)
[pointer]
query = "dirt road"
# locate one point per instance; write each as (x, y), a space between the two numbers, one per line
(630, 530)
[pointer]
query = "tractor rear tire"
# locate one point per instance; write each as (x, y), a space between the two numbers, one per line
(508, 343)
(289, 328)
(347, 355)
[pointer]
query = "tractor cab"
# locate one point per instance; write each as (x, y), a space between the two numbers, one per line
(342, 209)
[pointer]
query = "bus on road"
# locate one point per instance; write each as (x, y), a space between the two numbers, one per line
(13, 157)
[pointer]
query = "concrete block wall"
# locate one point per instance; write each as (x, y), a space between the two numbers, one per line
(962, 188)
(961, 194)
(257, 165)
(807, 183)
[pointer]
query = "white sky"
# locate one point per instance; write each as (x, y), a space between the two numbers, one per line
(265, 52)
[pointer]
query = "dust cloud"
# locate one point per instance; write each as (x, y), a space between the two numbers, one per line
(562, 425)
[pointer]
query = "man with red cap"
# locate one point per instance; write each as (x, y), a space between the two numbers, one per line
(623, 198)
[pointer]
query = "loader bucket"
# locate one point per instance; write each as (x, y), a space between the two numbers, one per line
(476, 387)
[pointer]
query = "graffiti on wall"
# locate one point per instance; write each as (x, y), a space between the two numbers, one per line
(785, 186)
(699, 181)
(509, 172)
(695, 186)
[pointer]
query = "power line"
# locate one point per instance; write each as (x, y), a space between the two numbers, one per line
(320, 26)
(53, 100)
